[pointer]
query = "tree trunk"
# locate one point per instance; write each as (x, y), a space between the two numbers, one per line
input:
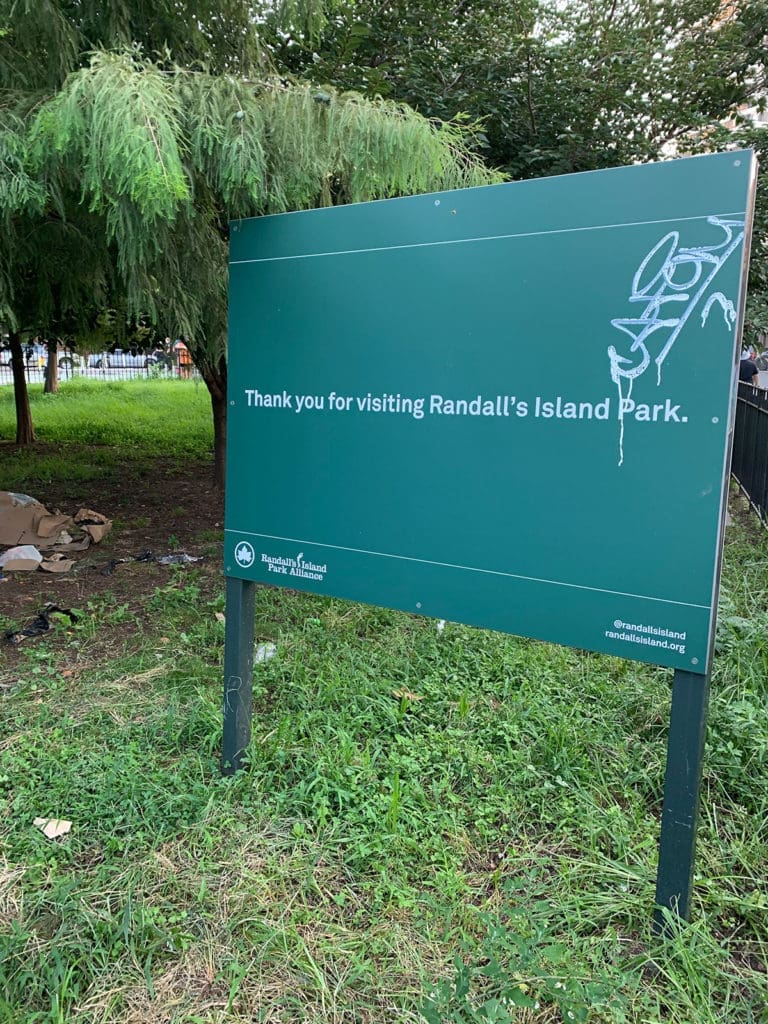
(25, 431)
(51, 386)
(215, 378)
(219, 404)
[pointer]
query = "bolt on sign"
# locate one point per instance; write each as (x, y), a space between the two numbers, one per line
(507, 406)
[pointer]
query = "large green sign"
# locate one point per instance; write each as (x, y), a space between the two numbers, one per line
(506, 406)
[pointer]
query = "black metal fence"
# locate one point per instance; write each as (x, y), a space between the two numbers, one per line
(750, 446)
(104, 367)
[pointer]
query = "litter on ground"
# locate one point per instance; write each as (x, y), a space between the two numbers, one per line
(264, 652)
(53, 828)
(39, 625)
(28, 529)
(22, 558)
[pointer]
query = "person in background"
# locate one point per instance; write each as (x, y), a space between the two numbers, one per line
(183, 358)
(748, 372)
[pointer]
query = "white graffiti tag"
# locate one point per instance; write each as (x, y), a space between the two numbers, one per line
(671, 282)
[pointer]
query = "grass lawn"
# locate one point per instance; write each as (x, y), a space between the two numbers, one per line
(435, 826)
(135, 417)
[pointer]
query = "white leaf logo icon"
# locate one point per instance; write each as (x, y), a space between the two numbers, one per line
(244, 554)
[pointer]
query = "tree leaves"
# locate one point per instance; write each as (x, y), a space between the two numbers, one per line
(157, 123)
(117, 125)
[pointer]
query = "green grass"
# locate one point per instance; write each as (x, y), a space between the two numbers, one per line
(433, 827)
(447, 827)
(137, 417)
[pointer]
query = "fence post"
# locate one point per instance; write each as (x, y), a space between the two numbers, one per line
(750, 446)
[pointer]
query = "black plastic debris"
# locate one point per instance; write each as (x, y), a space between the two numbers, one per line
(178, 558)
(39, 625)
(109, 567)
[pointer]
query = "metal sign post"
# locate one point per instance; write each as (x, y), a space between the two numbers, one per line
(238, 673)
(682, 783)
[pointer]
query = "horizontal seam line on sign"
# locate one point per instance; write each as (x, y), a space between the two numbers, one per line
(468, 568)
(483, 238)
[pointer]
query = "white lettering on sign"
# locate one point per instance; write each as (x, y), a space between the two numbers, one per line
(298, 566)
(279, 401)
(511, 407)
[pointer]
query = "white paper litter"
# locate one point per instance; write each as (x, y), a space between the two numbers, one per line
(52, 828)
(21, 553)
(264, 652)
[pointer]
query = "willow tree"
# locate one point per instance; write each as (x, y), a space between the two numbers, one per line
(53, 257)
(20, 194)
(56, 270)
(162, 153)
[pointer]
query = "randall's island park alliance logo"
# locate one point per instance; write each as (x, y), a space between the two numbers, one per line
(297, 566)
(245, 556)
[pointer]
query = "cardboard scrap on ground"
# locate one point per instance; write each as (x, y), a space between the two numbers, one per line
(57, 563)
(23, 557)
(25, 521)
(52, 828)
(95, 524)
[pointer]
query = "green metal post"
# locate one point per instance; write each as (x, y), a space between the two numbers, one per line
(685, 746)
(238, 673)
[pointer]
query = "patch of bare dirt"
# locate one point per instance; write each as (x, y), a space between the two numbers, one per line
(164, 506)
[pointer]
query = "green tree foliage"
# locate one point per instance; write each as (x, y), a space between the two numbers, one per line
(45, 40)
(563, 87)
(156, 134)
(756, 322)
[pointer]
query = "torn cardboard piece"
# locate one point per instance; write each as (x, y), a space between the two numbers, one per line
(24, 520)
(73, 545)
(95, 524)
(57, 563)
(53, 828)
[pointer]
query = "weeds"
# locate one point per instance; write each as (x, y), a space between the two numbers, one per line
(435, 826)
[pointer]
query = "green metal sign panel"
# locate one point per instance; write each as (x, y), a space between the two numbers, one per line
(506, 406)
